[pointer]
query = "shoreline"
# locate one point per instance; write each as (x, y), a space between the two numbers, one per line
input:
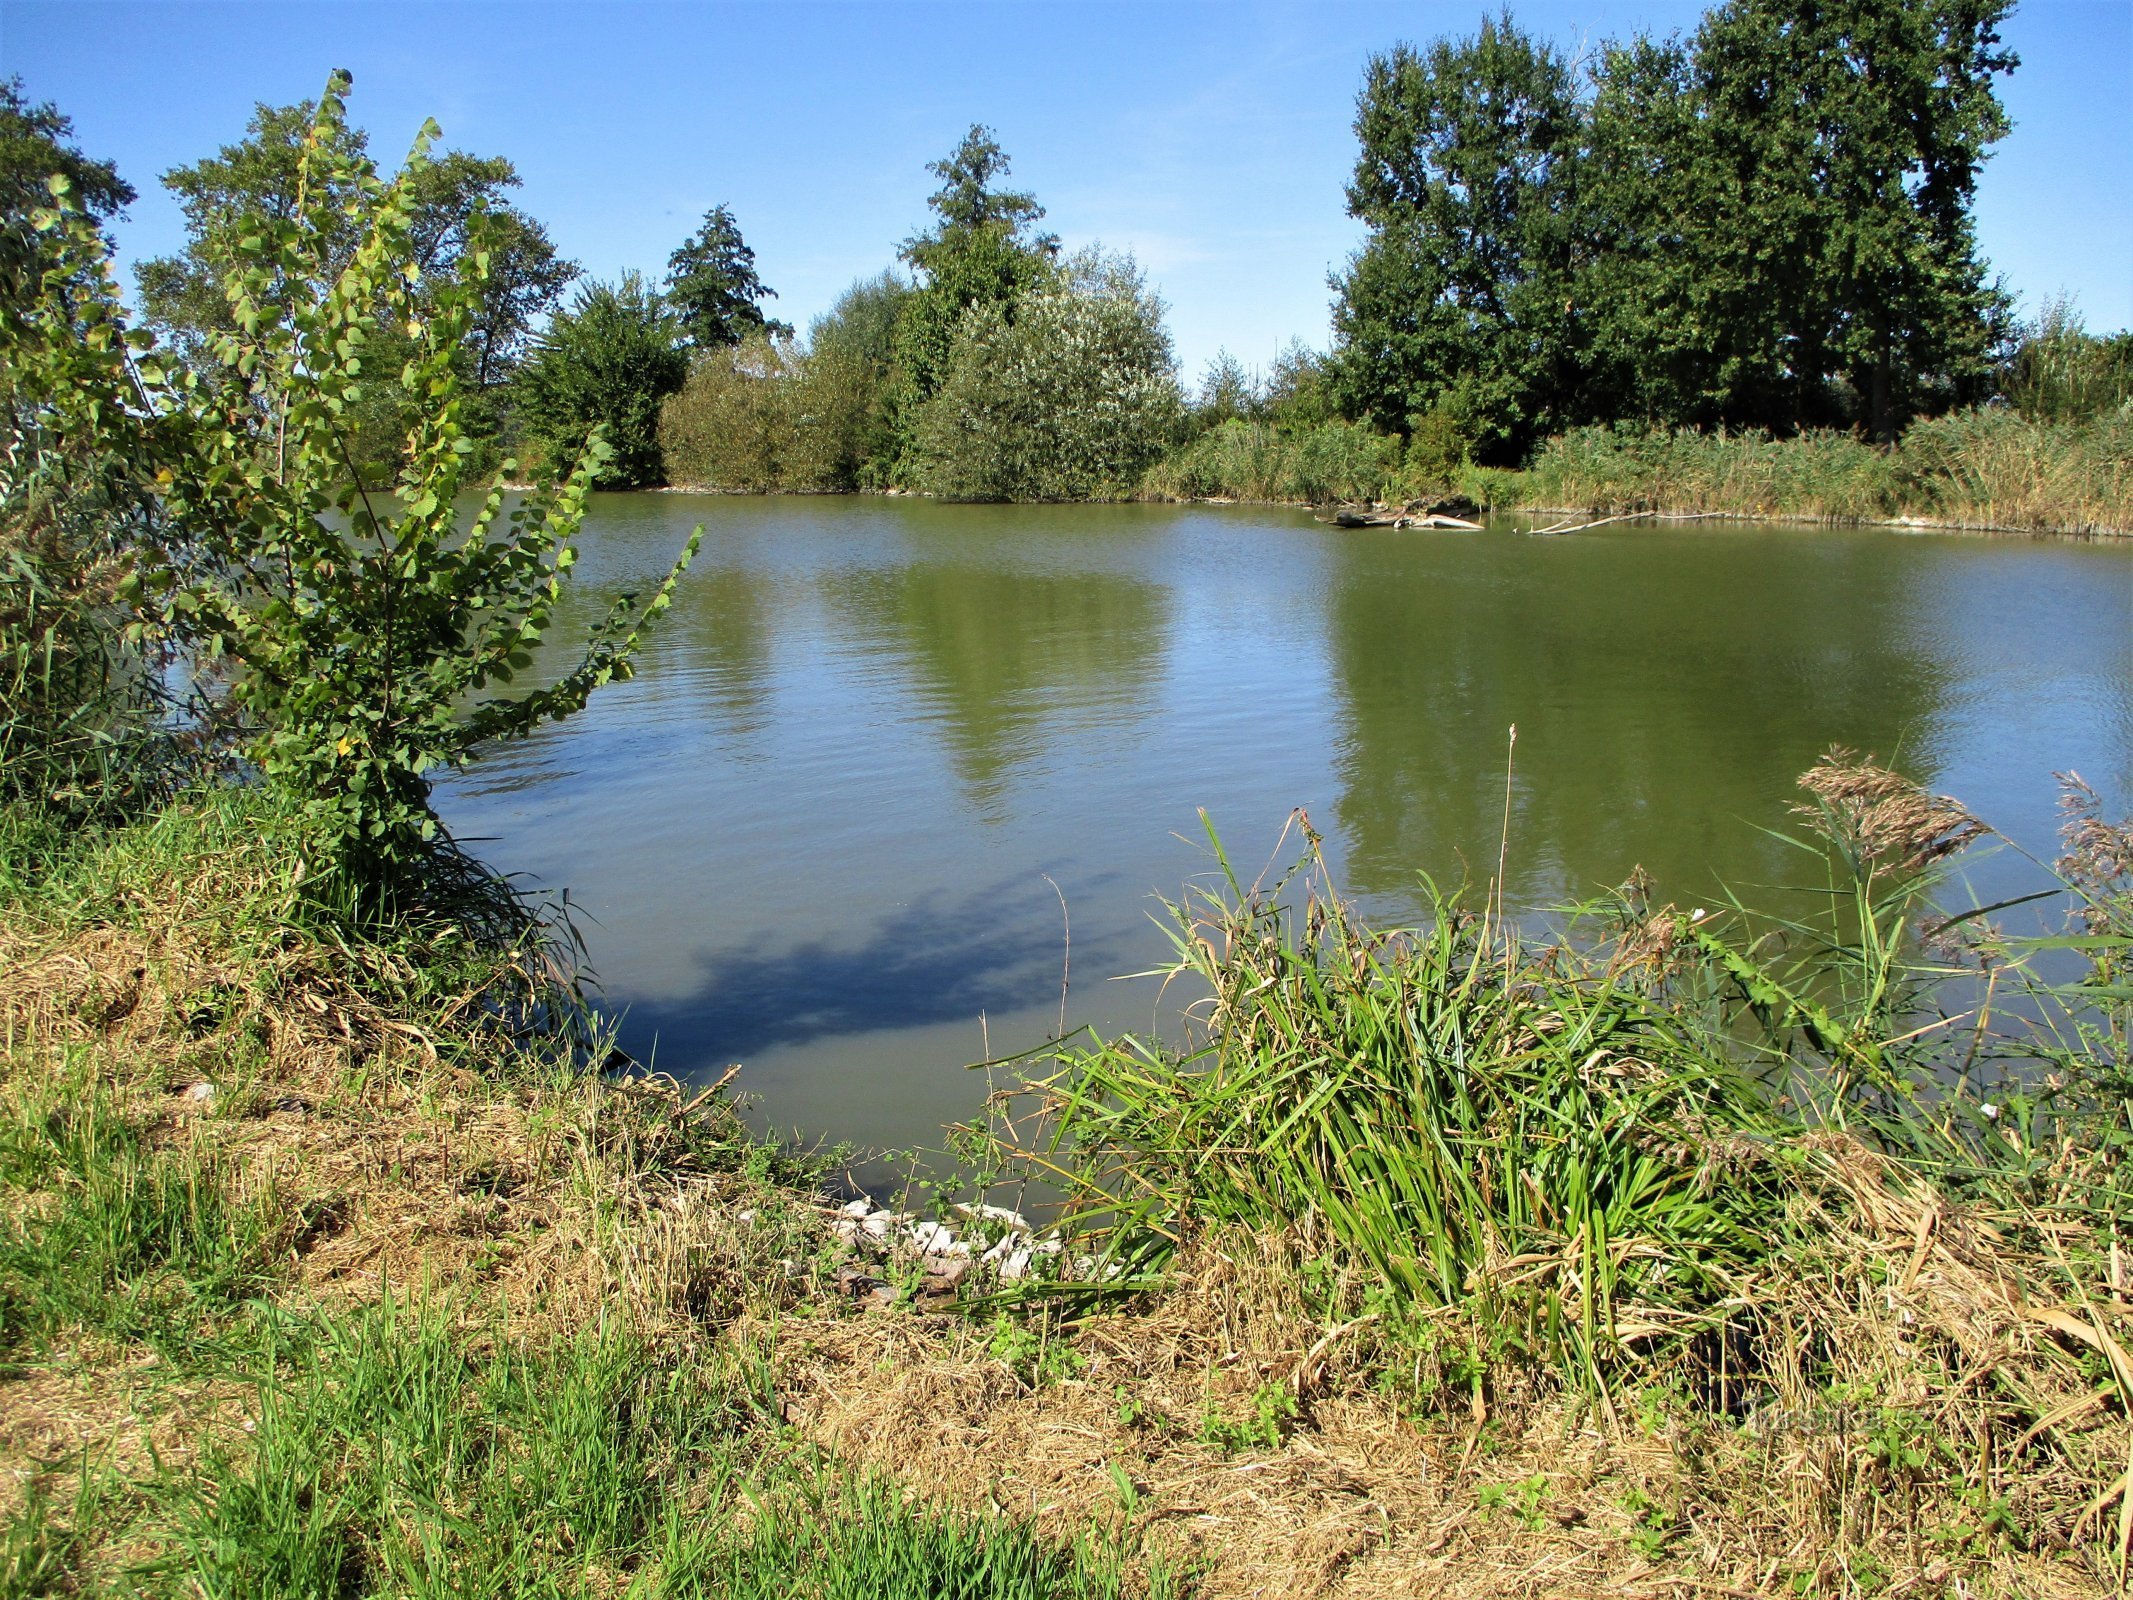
(2094, 533)
(1220, 1434)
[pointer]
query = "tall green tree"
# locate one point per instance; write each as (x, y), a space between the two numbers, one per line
(1865, 123)
(982, 250)
(609, 360)
(1460, 299)
(258, 180)
(714, 288)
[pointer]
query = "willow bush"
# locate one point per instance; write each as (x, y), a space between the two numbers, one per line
(1069, 393)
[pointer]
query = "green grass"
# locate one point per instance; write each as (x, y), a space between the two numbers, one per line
(103, 1231)
(410, 1449)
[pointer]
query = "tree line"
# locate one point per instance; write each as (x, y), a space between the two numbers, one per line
(1763, 224)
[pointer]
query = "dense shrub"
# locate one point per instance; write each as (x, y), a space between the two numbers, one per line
(733, 424)
(2060, 372)
(1071, 395)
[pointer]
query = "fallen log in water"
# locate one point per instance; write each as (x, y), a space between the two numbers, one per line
(1631, 516)
(1388, 517)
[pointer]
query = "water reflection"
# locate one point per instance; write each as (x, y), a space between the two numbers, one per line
(994, 651)
(1663, 695)
(815, 833)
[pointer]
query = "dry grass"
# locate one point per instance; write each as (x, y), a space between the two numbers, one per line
(1517, 1487)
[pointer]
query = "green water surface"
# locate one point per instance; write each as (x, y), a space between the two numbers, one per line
(819, 834)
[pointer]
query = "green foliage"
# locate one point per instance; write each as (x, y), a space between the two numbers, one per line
(735, 422)
(1432, 1102)
(1523, 1499)
(714, 288)
(847, 387)
(980, 252)
(1541, 256)
(607, 362)
(1241, 460)
(1461, 294)
(2060, 372)
(1273, 1409)
(1069, 393)
(34, 148)
(1038, 1354)
(365, 629)
(1227, 393)
(457, 204)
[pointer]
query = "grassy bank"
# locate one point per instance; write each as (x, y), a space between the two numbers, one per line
(1693, 1253)
(316, 1279)
(1991, 469)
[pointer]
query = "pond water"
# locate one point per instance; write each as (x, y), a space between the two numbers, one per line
(819, 834)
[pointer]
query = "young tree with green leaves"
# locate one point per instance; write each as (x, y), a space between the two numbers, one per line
(371, 634)
(714, 288)
(609, 360)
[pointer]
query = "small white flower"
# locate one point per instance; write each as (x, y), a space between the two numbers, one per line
(1989, 1109)
(1697, 915)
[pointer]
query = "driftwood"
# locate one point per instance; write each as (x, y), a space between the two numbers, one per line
(1631, 516)
(1386, 517)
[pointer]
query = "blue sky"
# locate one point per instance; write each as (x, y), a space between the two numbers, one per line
(1210, 139)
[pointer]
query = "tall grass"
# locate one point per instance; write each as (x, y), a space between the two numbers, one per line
(1241, 460)
(1987, 468)
(1473, 1123)
(1593, 1146)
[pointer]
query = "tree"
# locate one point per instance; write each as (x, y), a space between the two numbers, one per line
(372, 633)
(609, 361)
(713, 286)
(224, 196)
(1864, 124)
(34, 147)
(1460, 300)
(847, 438)
(68, 503)
(1071, 398)
(1227, 392)
(981, 251)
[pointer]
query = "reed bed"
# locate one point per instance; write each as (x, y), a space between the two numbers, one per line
(1241, 460)
(1982, 468)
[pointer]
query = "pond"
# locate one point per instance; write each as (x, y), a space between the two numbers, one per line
(883, 754)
